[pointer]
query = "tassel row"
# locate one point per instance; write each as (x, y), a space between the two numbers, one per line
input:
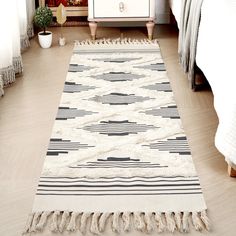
(120, 221)
(119, 41)
(18, 65)
(30, 31)
(8, 75)
(24, 42)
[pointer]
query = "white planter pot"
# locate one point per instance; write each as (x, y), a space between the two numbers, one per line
(45, 41)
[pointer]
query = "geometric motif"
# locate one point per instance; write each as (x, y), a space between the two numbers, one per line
(78, 68)
(119, 162)
(117, 60)
(155, 67)
(59, 146)
(119, 99)
(117, 76)
(65, 113)
(165, 112)
(118, 128)
(71, 87)
(177, 145)
(164, 86)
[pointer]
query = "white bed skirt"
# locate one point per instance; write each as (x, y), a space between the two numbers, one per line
(216, 50)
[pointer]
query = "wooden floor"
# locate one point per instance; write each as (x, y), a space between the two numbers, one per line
(27, 113)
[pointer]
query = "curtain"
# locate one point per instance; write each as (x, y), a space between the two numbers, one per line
(30, 7)
(14, 38)
(22, 16)
(162, 12)
(10, 57)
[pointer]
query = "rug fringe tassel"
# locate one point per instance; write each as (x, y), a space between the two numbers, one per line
(185, 220)
(115, 222)
(35, 221)
(160, 223)
(43, 220)
(178, 221)
(139, 223)
(64, 219)
(197, 222)
(170, 222)
(84, 218)
(28, 224)
(147, 222)
(102, 221)
(72, 223)
(120, 41)
(94, 224)
(55, 221)
(126, 217)
(205, 220)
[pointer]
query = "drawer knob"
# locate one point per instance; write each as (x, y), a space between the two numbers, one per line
(121, 6)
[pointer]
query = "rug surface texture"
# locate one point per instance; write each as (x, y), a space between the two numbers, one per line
(118, 156)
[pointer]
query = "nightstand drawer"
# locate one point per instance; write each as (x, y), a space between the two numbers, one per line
(121, 8)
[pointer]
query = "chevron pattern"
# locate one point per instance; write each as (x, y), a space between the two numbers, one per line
(118, 105)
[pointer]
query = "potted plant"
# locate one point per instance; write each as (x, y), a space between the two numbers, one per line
(42, 19)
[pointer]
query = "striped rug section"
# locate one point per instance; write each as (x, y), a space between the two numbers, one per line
(119, 186)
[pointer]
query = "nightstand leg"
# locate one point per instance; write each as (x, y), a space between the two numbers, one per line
(93, 29)
(150, 26)
(231, 171)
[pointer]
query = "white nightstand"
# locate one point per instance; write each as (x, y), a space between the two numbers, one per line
(121, 10)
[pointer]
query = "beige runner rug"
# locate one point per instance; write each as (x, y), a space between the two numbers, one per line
(118, 157)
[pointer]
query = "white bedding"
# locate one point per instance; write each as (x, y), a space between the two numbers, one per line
(176, 9)
(216, 52)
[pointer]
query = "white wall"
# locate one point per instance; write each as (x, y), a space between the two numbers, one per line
(162, 12)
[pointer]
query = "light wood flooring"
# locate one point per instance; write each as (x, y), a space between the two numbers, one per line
(27, 113)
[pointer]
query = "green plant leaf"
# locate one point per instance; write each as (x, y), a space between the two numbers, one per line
(43, 17)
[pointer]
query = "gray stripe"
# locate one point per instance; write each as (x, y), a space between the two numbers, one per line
(124, 194)
(117, 76)
(123, 177)
(119, 185)
(105, 50)
(113, 127)
(119, 190)
(165, 112)
(79, 68)
(156, 67)
(120, 181)
(71, 113)
(106, 167)
(71, 87)
(165, 87)
(116, 165)
(119, 99)
(117, 60)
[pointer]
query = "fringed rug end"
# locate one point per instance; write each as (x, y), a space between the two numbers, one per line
(96, 222)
